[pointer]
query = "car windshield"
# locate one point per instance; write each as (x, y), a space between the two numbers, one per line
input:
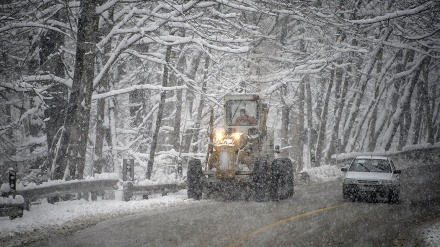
(370, 165)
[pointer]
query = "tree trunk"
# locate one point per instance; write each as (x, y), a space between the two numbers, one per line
(285, 110)
(112, 136)
(363, 84)
(404, 125)
(181, 63)
(88, 27)
(99, 137)
(373, 103)
(323, 122)
(302, 140)
(426, 102)
(301, 131)
(76, 124)
(201, 105)
(100, 131)
(416, 128)
(137, 97)
(51, 61)
(436, 123)
(190, 97)
(404, 104)
(285, 117)
(435, 106)
(311, 136)
(372, 124)
(159, 114)
(341, 89)
(373, 119)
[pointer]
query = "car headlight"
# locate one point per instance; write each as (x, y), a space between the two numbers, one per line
(350, 181)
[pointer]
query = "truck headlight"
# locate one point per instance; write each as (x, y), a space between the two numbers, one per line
(237, 136)
(219, 136)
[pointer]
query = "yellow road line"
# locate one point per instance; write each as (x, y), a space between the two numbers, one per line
(265, 228)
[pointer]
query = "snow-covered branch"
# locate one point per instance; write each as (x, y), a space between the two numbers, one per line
(31, 25)
(136, 87)
(24, 85)
(397, 14)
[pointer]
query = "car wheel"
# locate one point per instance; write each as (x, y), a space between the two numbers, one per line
(373, 198)
(349, 197)
(282, 179)
(194, 179)
(261, 181)
(393, 197)
(345, 194)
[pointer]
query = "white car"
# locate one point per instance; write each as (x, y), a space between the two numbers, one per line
(371, 176)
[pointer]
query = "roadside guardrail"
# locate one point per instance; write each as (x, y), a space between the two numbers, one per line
(58, 190)
(131, 190)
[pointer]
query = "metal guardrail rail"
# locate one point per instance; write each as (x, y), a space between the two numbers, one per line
(58, 190)
(145, 190)
(94, 187)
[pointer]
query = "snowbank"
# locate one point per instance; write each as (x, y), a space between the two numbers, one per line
(324, 173)
(64, 215)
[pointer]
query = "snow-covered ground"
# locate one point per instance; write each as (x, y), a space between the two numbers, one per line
(77, 214)
(431, 234)
(69, 216)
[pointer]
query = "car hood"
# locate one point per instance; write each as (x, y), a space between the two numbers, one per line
(376, 176)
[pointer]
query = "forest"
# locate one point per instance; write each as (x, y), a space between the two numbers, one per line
(86, 84)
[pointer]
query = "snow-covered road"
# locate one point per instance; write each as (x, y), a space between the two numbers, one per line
(67, 217)
(64, 218)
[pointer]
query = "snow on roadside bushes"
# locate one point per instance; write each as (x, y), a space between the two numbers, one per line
(324, 173)
(11, 201)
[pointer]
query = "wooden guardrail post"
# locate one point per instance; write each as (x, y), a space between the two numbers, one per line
(11, 204)
(94, 195)
(128, 191)
(128, 170)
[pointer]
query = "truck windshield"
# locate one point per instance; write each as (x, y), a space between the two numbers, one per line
(241, 112)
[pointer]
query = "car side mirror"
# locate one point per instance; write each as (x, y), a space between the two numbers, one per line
(344, 169)
(397, 172)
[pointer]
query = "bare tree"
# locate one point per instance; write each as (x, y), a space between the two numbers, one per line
(159, 113)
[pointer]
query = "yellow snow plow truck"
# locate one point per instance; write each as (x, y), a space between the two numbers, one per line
(242, 162)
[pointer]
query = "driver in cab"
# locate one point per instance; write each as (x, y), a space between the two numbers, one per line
(244, 119)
